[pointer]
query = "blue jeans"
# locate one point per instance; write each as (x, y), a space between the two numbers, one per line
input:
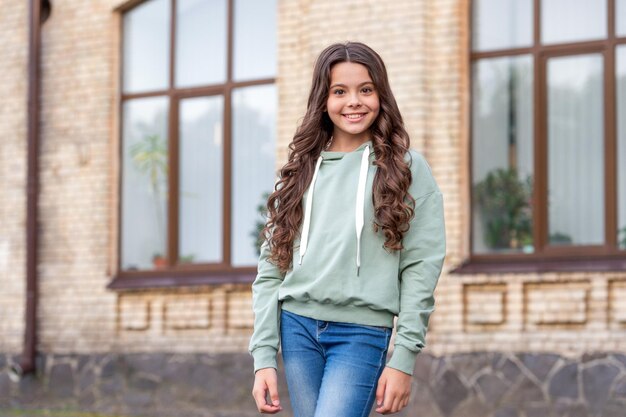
(332, 368)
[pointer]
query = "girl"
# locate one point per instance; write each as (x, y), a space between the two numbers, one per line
(355, 237)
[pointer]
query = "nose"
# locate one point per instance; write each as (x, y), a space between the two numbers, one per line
(354, 100)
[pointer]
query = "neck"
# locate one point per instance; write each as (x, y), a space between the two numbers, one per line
(344, 143)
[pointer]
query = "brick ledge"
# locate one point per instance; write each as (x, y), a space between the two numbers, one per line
(573, 265)
(173, 280)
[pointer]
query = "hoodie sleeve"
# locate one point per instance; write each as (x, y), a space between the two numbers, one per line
(421, 261)
(264, 342)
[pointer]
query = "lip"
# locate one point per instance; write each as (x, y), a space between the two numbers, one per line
(354, 120)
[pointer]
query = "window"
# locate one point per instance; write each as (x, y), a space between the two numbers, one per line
(198, 106)
(548, 135)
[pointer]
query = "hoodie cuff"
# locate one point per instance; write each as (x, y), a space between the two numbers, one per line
(264, 357)
(403, 359)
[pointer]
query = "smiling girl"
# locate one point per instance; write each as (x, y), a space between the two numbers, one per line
(354, 239)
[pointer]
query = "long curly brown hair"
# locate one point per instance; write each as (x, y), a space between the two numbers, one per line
(393, 205)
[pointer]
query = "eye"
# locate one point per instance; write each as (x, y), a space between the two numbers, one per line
(338, 91)
(367, 89)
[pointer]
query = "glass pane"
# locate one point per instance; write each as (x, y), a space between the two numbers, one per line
(575, 150)
(572, 20)
(620, 12)
(144, 183)
(146, 46)
(502, 24)
(255, 39)
(201, 180)
(200, 42)
(502, 155)
(254, 167)
(621, 144)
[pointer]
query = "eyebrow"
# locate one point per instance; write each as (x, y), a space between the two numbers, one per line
(343, 85)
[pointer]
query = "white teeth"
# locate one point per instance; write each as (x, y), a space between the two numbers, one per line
(354, 116)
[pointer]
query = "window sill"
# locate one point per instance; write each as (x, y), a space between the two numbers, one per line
(177, 280)
(538, 266)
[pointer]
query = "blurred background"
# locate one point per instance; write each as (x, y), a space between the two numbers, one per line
(140, 139)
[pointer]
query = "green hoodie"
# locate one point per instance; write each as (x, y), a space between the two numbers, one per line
(341, 271)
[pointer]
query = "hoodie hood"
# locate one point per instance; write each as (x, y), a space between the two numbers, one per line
(359, 208)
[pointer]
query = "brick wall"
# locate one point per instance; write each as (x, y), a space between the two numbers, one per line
(76, 313)
(424, 46)
(13, 84)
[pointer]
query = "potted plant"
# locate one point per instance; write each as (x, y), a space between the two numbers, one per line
(560, 238)
(187, 259)
(505, 204)
(159, 261)
(149, 156)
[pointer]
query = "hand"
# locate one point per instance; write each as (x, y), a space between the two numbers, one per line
(393, 391)
(266, 380)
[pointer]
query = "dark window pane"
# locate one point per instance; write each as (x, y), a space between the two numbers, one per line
(621, 144)
(201, 180)
(254, 149)
(573, 20)
(575, 150)
(200, 42)
(146, 47)
(254, 39)
(144, 183)
(502, 154)
(502, 24)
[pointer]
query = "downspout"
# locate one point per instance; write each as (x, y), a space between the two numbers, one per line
(39, 13)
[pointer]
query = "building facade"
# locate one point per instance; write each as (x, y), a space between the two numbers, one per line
(164, 122)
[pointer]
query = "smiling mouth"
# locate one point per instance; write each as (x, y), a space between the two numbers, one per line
(354, 117)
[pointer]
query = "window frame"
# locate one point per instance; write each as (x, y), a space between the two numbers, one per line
(175, 275)
(605, 257)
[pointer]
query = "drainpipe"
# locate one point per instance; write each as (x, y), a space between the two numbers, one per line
(39, 13)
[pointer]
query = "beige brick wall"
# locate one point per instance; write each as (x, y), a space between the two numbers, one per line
(13, 85)
(423, 43)
(216, 319)
(76, 313)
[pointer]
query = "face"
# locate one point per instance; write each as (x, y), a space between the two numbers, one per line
(353, 102)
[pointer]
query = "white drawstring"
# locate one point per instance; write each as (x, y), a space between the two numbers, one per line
(307, 212)
(359, 207)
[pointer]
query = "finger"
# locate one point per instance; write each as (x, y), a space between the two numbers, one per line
(395, 407)
(273, 388)
(388, 401)
(406, 401)
(385, 409)
(380, 390)
(259, 397)
(261, 403)
(270, 409)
